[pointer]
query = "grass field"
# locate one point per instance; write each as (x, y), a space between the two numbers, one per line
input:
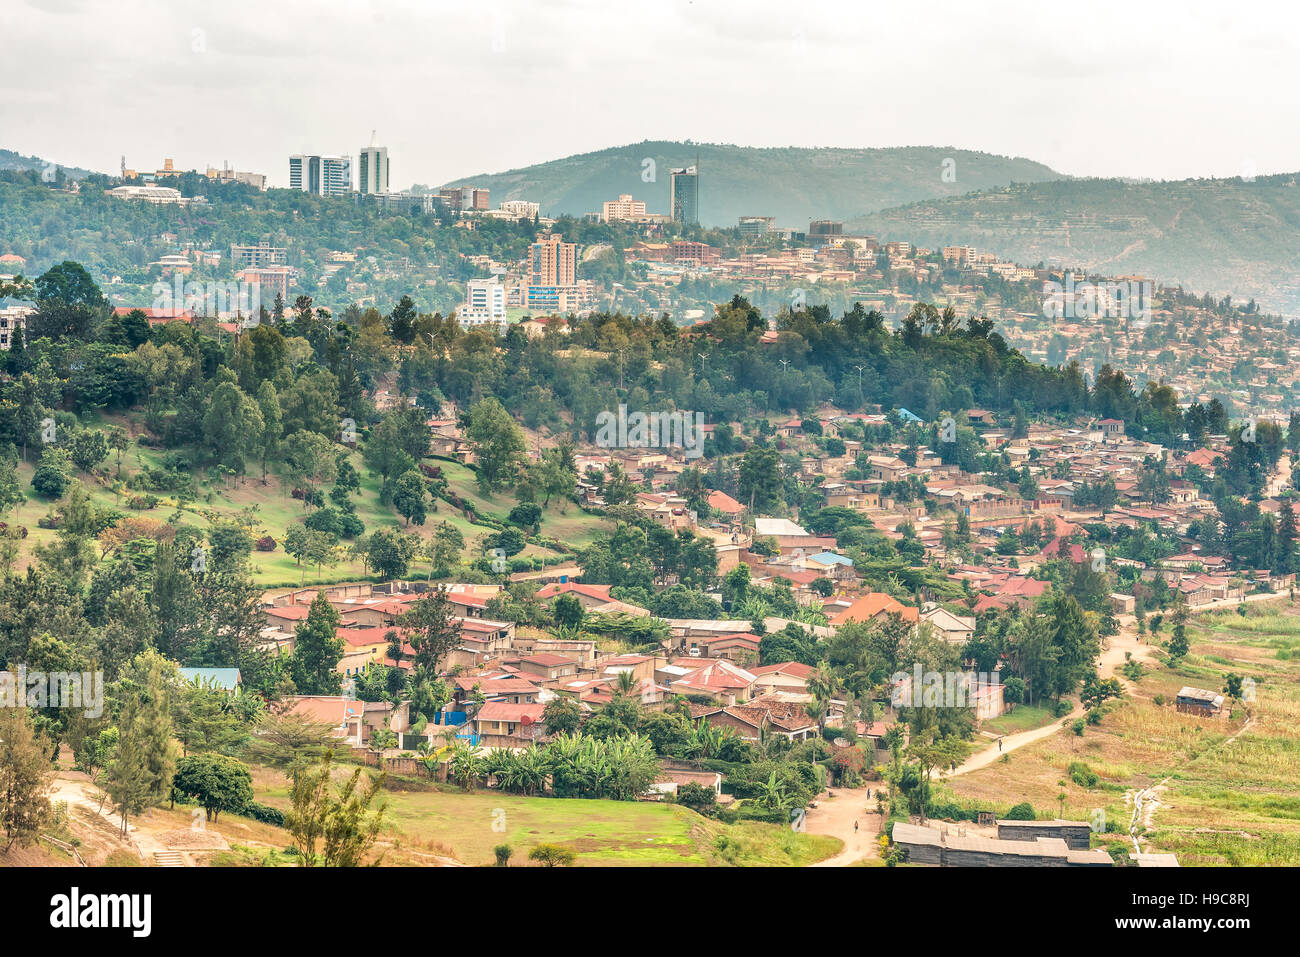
(276, 510)
(467, 826)
(1024, 718)
(1223, 803)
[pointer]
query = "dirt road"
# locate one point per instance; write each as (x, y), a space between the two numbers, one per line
(835, 816)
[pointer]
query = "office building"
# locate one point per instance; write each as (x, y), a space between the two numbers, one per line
(520, 209)
(465, 198)
(321, 175)
(622, 209)
(751, 226)
(372, 168)
(821, 228)
(552, 262)
(262, 254)
(485, 302)
(684, 195)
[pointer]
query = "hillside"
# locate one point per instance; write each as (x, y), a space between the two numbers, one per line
(11, 160)
(794, 185)
(1222, 236)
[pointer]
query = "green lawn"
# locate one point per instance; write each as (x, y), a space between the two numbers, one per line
(1023, 718)
(602, 833)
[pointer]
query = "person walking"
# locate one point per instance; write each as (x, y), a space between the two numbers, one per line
(855, 827)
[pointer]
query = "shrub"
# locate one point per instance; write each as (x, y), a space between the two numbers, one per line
(265, 544)
(552, 855)
(264, 813)
(1024, 811)
(1062, 708)
(697, 797)
(1077, 727)
(502, 853)
(1082, 775)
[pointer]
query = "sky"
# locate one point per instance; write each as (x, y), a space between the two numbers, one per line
(452, 88)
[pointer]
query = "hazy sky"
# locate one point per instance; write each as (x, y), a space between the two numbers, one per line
(1163, 90)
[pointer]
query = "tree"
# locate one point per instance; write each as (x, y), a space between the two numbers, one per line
(498, 443)
(390, 552)
(25, 778)
(11, 492)
(568, 611)
(68, 304)
(759, 480)
(317, 650)
(502, 853)
(207, 718)
(309, 456)
(87, 448)
(141, 775)
(232, 426)
(268, 401)
(216, 782)
(433, 630)
(287, 739)
(552, 855)
(409, 497)
(562, 715)
(448, 543)
(333, 829)
(50, 480)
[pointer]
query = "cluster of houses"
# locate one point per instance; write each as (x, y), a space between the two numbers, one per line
(502, 675)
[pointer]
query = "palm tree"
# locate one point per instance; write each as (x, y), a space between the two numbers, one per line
(625, 684)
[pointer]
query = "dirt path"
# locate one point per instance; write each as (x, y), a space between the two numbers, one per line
(835, 816)
(1125, 642)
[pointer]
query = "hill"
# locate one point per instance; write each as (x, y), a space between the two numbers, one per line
(794, 185)
(11, 160)
(1224, 236)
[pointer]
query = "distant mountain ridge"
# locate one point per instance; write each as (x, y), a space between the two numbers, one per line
(1224, 236)
(11, 160)
(793, 184)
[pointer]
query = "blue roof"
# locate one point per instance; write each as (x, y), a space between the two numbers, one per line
(908, 416)
(227, 679)
(824, 557)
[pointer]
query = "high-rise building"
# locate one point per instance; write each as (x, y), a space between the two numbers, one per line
(684, 195)
(372, 168)
(552, 262)
(321, 175)
(825, 227)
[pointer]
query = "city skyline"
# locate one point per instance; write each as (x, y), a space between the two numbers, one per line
(1130, 103)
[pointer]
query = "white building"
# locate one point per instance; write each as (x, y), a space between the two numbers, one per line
(485, 302)
(321, 175)
(520, 209)
(372, 168)
(11, 320)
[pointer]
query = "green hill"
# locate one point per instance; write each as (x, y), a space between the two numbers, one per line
(11, 160)
(794, 185)
(1225, 236)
